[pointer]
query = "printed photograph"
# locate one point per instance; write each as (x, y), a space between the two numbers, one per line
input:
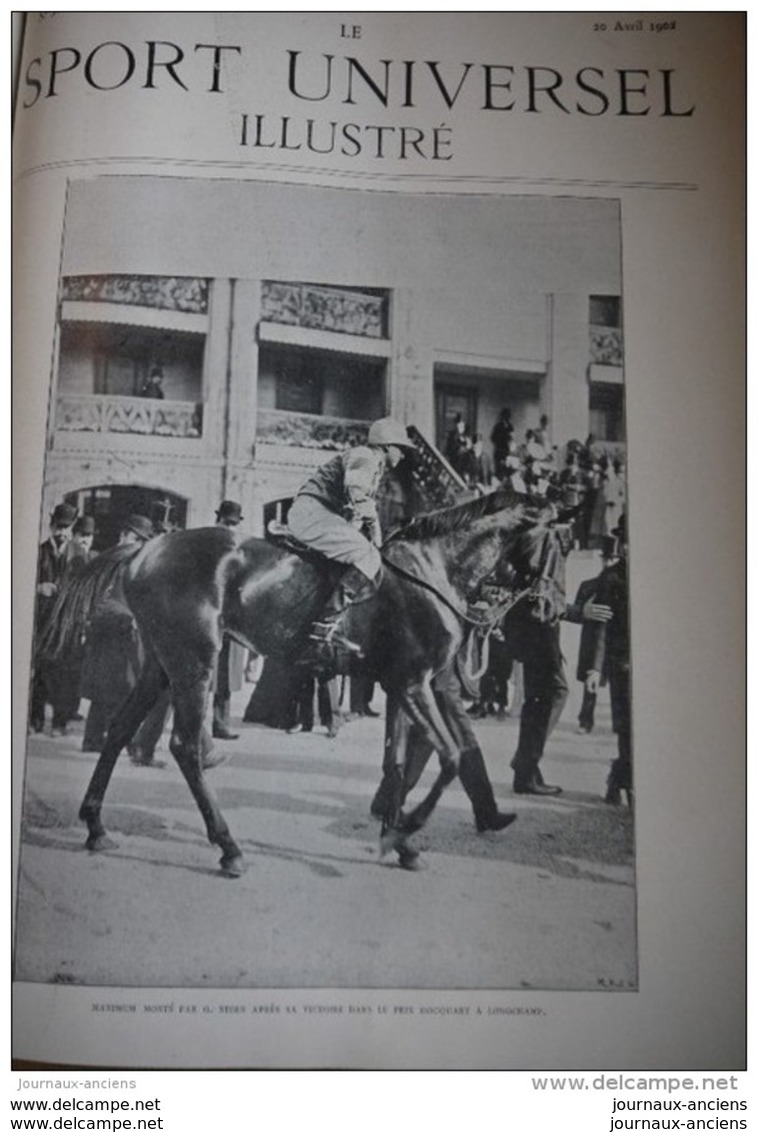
(331, 680)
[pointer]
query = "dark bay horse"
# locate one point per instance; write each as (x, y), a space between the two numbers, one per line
(187, 589)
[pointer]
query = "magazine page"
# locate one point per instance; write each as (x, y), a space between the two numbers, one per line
(378, 541)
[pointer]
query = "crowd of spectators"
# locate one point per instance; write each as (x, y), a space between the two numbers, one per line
(582, 476)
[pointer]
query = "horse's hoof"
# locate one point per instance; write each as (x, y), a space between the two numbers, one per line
(392, 839)
(410, 859)
(98, 844)
(212, 759)
(232, 867)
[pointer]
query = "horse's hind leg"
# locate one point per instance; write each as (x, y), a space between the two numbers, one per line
(189, 712)
(123, 728)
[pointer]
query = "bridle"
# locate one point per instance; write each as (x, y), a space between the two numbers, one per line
(482, 624)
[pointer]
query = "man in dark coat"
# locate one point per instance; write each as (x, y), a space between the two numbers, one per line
(79, 554)
(113, 653)
(230, 665)
(501, 436)
(587, 592)
(611, 659)
(457, 445)
(47, 682)
(538, 647)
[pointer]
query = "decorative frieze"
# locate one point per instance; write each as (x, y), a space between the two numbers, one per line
(136, 415)
(324, 308)
(162, 292)
(606, 346)
(304, 430)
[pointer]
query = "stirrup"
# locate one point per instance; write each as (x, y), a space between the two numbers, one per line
(322, 632)
(326, 635)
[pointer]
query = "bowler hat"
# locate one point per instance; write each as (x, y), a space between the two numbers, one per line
(229, 510)
(63, 515)
(84, 526)
(141, 526)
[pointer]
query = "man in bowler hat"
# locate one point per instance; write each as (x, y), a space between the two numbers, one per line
(51, 567)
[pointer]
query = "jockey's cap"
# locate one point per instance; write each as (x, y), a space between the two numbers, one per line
(388, 431)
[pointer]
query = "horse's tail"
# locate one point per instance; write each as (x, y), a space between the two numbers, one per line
(79, 597)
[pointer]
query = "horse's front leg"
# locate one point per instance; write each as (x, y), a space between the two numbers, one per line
(122, 729)
(388, 800)
(190, 701)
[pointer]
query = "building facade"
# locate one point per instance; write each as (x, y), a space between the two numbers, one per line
(219, 340)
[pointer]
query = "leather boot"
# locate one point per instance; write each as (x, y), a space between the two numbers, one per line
(532, 782)
(326, 633)
(619, 779)
(472, 772)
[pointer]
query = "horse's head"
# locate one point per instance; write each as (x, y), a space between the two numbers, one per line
(534, 561)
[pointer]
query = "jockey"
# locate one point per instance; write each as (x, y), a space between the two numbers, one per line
(335, 513)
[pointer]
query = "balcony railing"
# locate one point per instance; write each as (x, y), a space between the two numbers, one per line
(79, 412)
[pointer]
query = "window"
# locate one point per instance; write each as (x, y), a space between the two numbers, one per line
(605, 310)
(607, 411)
(298, 379)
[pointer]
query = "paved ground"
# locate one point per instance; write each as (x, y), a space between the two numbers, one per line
(548, 903)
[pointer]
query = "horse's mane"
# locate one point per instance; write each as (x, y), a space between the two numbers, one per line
(450, 519)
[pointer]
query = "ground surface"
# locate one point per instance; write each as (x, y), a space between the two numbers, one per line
(547, 903)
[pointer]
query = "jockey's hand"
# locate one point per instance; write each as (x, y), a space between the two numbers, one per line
(592, 682)
(593, 612)
(47, 589)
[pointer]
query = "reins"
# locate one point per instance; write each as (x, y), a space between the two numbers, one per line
(481, 626)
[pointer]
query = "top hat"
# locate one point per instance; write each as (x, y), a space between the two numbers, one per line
(63, 515)
(608, 546)
(230, 511)
(84, 525)
(141, 526)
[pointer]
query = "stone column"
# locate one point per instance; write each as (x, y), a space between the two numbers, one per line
(243, 393)
(411, 393)
(566, 391)
(214, 401)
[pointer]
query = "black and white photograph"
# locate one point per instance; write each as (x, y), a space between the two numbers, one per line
(331, 674)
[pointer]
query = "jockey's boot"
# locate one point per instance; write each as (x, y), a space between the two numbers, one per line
(328, 640)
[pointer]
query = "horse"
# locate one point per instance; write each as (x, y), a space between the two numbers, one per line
(407, 747)
(187, 589)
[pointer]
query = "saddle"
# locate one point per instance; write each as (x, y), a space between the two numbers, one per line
(282, 537)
